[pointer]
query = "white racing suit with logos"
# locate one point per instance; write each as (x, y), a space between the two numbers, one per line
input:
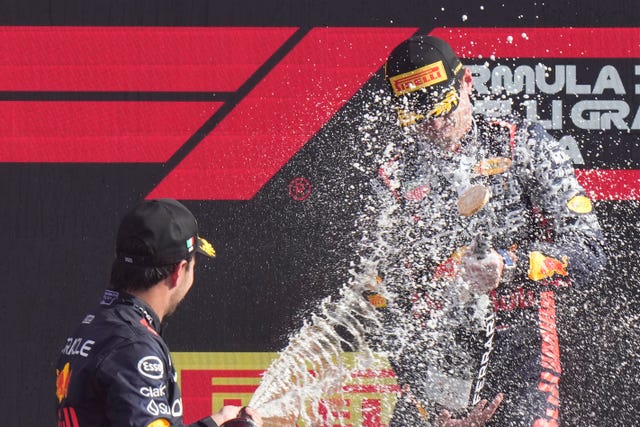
(451, 347)
(116, 370)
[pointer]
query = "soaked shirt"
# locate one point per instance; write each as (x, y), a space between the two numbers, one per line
(116, 370)
(536, 203)
(537, 215)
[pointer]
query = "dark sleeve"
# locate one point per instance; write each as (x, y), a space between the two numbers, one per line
(205, 422)
(140, 388)
(561, 207)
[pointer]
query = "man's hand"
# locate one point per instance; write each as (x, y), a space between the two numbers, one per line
(482, 274)
(227, 413)
(480, 414)
(253, 414)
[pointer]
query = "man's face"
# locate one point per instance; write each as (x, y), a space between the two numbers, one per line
(185, 281)
(447, 131)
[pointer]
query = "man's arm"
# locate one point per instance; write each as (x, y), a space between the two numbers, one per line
(140, 389)
(571, 243)
(478, 417)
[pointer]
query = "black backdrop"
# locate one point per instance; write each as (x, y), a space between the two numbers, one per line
(277, 256)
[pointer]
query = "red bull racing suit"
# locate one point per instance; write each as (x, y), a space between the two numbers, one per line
(116, 370)
(453, 348)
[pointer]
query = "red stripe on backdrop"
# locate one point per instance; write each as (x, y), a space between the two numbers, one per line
(281, 114)
(615, 184)
(148, 59)
(234, 373)
(89, 132)
(543, 42)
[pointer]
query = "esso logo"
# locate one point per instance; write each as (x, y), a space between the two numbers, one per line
(151, 367)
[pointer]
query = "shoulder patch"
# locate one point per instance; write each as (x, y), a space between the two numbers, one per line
(492, 166)
(109, 297)
(580, 204)
(417, 191)
(162, 422)
(63, 377)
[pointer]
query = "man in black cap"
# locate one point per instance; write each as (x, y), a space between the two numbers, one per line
(115, 369)
(489, 222)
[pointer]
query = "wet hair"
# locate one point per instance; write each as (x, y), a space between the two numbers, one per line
(129, 277)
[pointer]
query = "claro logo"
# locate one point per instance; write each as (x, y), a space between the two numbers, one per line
(151, 367)
(154, 391)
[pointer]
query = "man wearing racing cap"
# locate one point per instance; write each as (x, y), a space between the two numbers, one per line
(493, 224)
(115, 369)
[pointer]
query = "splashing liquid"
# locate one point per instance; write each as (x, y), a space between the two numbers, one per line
(311, 367)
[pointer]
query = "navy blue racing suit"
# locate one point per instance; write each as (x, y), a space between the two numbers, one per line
(116, 370)
(452, 347)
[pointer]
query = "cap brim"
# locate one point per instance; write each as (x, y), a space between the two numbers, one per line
(205, 248)
(426, 104)
(438, 102)
(447, 101)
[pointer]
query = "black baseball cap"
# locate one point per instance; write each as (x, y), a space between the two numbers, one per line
(424, 72)
(164, 232)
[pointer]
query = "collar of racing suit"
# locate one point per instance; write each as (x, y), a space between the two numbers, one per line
(424, 145)
(112, 298)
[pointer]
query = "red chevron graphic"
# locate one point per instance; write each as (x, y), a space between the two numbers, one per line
(281, 114)
(129, 59)
(103, 132)
(134, 59)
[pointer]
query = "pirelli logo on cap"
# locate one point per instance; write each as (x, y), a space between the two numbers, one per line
(423, 77)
